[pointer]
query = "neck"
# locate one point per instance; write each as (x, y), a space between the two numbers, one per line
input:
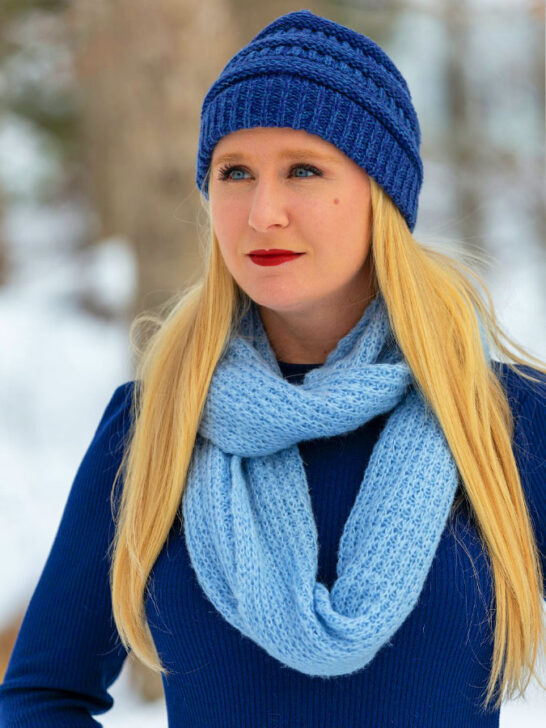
(308, 336)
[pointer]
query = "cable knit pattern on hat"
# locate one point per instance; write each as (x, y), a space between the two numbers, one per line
(308, 72)
(248, 519)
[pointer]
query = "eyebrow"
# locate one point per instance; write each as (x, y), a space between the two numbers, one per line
(284, 154)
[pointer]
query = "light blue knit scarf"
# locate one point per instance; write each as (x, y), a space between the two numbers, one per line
(249, 525)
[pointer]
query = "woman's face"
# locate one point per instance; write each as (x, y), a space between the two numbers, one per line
(287, 189)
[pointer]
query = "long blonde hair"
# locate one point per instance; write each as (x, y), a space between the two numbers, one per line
(432, 307)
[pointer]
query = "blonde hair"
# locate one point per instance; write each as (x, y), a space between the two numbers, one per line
(432, 306)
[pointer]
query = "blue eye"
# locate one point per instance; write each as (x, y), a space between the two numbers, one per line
(226, 171)
(307, 168)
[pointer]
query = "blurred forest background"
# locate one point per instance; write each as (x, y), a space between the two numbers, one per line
(99, 212)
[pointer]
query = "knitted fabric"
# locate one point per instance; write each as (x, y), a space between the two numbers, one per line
(308, 72)
(248, 520)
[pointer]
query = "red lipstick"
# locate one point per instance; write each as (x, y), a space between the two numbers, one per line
(274, 256)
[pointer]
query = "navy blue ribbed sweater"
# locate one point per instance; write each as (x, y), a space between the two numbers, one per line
(430, 675)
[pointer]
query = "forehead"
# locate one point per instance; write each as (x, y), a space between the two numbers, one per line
(273, 142)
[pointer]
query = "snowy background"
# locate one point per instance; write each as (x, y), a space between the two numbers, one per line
(60, 364)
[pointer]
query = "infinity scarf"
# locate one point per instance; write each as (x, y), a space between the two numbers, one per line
(249, 525)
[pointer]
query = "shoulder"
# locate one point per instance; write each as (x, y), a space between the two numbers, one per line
(114, 425)
(94, 478)
(521, 392)
(119, 405)
(527, 400)
(528, 403)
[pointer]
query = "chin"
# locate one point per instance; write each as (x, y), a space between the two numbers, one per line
(283, 306)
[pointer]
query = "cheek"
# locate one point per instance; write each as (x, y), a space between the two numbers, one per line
(227, 227)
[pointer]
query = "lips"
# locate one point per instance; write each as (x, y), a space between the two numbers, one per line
(274, 251)
(274, 256)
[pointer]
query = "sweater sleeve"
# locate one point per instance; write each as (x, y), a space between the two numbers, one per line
(68, 652)
(530, 452)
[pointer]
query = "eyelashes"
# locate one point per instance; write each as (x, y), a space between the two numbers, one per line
(225, 171)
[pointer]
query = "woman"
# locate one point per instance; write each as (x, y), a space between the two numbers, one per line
(333, 498)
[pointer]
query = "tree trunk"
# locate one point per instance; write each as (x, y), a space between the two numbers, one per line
(144, 69)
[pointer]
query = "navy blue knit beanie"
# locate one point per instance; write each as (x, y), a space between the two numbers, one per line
(308, 72)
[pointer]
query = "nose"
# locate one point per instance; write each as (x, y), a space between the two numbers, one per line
(268, 206)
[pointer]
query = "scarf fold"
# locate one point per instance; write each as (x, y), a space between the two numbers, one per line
(248, 520)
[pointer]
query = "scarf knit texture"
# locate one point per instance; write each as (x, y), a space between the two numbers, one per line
(248, 520)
